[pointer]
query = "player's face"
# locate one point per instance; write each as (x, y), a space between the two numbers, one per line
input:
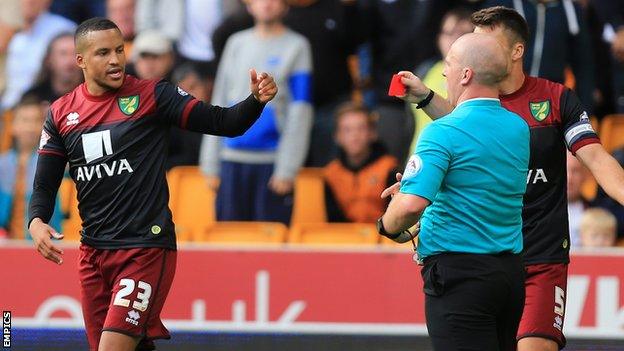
(27, 126)
(103, 59)
(267, 11)
(354, 134)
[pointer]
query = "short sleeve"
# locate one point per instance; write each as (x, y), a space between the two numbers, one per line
(577, 128)
(426, 168)
(173, 103)
(51, 141)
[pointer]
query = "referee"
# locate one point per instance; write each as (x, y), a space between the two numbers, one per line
(467, 179)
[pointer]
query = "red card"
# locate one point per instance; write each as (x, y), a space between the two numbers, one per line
(396, 87)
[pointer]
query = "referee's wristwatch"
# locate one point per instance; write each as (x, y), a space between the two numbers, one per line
(382, 230)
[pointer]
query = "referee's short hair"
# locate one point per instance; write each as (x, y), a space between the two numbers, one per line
(507, 17)
(94, 24)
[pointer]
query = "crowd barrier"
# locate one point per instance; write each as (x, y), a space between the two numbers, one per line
(295, 289)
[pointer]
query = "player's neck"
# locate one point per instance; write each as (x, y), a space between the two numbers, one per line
(269, 29)
(95, 89)
(514, 80)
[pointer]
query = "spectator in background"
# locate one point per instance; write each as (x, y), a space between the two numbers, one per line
(152, 56)
(331, 28)
(17, 169)
(258, 169)
(78, 10)
(597, 228)
(28, 47)
(455, 23)
(166, 16)
(201, 17)
(401, 33)
(611, 12)
(559, 39)
(184, 145)
(231, 24)
(10, 23)
(122, 12)
(603, 200)
(576, 203)
(59, 74)
(363, 169)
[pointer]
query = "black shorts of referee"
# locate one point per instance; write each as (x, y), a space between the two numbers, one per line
(473, 301)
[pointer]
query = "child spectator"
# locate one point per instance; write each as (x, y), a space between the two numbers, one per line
(598, 228)
(363, 169)
(17, 169)
(258, 169)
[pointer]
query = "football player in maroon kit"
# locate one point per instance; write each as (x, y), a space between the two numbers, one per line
(113, 131)
(557, 121)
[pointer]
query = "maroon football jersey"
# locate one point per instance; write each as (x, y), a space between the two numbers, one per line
(557, 121)
(116, 146)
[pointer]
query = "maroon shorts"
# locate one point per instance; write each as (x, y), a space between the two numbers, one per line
(124, 291)
(544, 305)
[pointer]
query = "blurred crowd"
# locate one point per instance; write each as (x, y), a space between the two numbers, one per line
(332, 59)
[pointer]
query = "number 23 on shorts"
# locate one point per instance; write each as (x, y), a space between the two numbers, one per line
(127, 287)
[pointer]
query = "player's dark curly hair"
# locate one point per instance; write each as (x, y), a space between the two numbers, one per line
(93, 25)
(509, 18)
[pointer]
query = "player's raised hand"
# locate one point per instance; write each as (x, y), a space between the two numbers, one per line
(262, 86)
(394, 188)
(42, 234)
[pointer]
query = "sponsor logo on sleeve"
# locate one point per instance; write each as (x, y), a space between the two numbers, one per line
(73, 119)
(181, 91)
(45, 137)
(413, 167)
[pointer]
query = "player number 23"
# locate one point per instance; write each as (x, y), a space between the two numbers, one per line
(127, 289)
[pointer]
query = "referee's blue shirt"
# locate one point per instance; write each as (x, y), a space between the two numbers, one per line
(472, 165)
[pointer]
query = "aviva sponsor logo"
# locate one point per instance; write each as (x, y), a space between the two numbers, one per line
(95, 146)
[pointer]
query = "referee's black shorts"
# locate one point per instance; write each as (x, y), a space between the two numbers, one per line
(472, 301)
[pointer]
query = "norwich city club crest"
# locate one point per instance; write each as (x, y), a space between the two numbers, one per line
(540, 110)
(129, 104)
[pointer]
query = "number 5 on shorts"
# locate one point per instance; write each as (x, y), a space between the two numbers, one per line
(127, 289)
(559, 301)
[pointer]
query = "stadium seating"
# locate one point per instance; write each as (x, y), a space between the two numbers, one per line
(191, 201)
(309, 198)
(246, 233)
(69, 205)
(334, 234)
(612, 132)
(5, 132)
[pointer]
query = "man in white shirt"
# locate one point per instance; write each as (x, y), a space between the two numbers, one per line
(27, 47)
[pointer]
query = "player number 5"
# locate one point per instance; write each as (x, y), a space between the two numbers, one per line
(559, 301)
(127, 288)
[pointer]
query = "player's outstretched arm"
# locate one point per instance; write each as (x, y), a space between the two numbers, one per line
(194, 115)
(607, 171)
(418, 91)
(48, 177)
